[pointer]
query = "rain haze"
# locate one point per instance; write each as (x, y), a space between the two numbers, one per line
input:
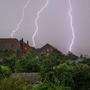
(54, 23)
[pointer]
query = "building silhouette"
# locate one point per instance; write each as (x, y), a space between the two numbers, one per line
(14, 44)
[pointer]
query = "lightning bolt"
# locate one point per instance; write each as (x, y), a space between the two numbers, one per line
(71, 24)
(36, 21)
(22, 18)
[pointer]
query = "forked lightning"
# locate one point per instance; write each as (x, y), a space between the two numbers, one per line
(21, 20)
(71, 25)
(36, 21)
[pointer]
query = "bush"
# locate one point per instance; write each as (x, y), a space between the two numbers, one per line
(13, 84)
(4, 71)
(76, 76)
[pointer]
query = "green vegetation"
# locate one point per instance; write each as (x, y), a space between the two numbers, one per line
(58, 71)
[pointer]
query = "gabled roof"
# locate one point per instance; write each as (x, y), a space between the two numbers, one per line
(48, 45)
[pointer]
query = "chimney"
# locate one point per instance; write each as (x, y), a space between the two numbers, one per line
(27, 42)
(22, 40)
(21, 45)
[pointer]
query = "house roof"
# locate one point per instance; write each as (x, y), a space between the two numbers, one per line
(7, 43)
(72, 56)
(47, 45)
(30, 77)
(8, 39)
(24, 44)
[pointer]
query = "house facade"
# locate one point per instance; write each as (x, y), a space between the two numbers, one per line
(47, 49)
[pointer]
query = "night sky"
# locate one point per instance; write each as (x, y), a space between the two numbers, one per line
(54, 23)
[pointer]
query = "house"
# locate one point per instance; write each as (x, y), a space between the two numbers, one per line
(24, 47)
(46, 49)
(72, 56)
(14, 44)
